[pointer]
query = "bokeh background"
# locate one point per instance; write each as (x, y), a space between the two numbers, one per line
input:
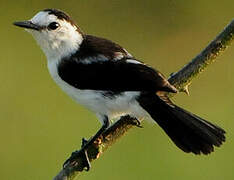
(41, 126)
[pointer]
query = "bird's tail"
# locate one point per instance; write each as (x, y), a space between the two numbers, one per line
(188, 131)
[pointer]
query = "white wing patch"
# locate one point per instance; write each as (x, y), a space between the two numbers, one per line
(133, 61)
(118, 56)
(98, 58)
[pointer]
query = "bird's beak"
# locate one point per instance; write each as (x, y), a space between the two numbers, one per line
(27, 25)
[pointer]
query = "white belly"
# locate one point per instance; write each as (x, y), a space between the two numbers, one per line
(98, 103)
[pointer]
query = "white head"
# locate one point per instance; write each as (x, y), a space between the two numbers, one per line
(55, 32)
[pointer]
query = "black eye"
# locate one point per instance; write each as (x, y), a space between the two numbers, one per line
(53, 26)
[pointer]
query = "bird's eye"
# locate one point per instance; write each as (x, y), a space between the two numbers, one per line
(53, 26)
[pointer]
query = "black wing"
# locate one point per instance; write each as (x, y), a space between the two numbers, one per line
(95, 67)
(113, 76)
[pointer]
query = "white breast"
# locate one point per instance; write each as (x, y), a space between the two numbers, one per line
(96, 102)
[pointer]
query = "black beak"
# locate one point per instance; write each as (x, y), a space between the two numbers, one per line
(27, 25)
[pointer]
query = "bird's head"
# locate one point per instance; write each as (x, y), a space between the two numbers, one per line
(56, 33)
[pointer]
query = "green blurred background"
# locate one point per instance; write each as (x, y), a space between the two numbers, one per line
(40, 125)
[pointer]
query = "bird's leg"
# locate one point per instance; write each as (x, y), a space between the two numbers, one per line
(85, 144)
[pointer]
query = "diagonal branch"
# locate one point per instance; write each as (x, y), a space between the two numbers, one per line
(181, 80)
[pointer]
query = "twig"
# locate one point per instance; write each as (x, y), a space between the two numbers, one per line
(181, 80)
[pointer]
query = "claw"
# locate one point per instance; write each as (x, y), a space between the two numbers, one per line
(84, 146)
(84, 141)
(86, 162)
(137, 123)
(75, 155)
(81, 153)
(72, 158)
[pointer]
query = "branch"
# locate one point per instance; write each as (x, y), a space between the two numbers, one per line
(181, 80)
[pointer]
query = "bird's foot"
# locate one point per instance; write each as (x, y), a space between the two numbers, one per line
(82, 153)
(137, 123)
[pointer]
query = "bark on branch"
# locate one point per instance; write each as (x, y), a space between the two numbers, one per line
(181, 80)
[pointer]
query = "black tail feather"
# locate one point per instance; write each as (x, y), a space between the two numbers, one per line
(188, 131)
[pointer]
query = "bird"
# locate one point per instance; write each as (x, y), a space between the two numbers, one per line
(106, 79)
